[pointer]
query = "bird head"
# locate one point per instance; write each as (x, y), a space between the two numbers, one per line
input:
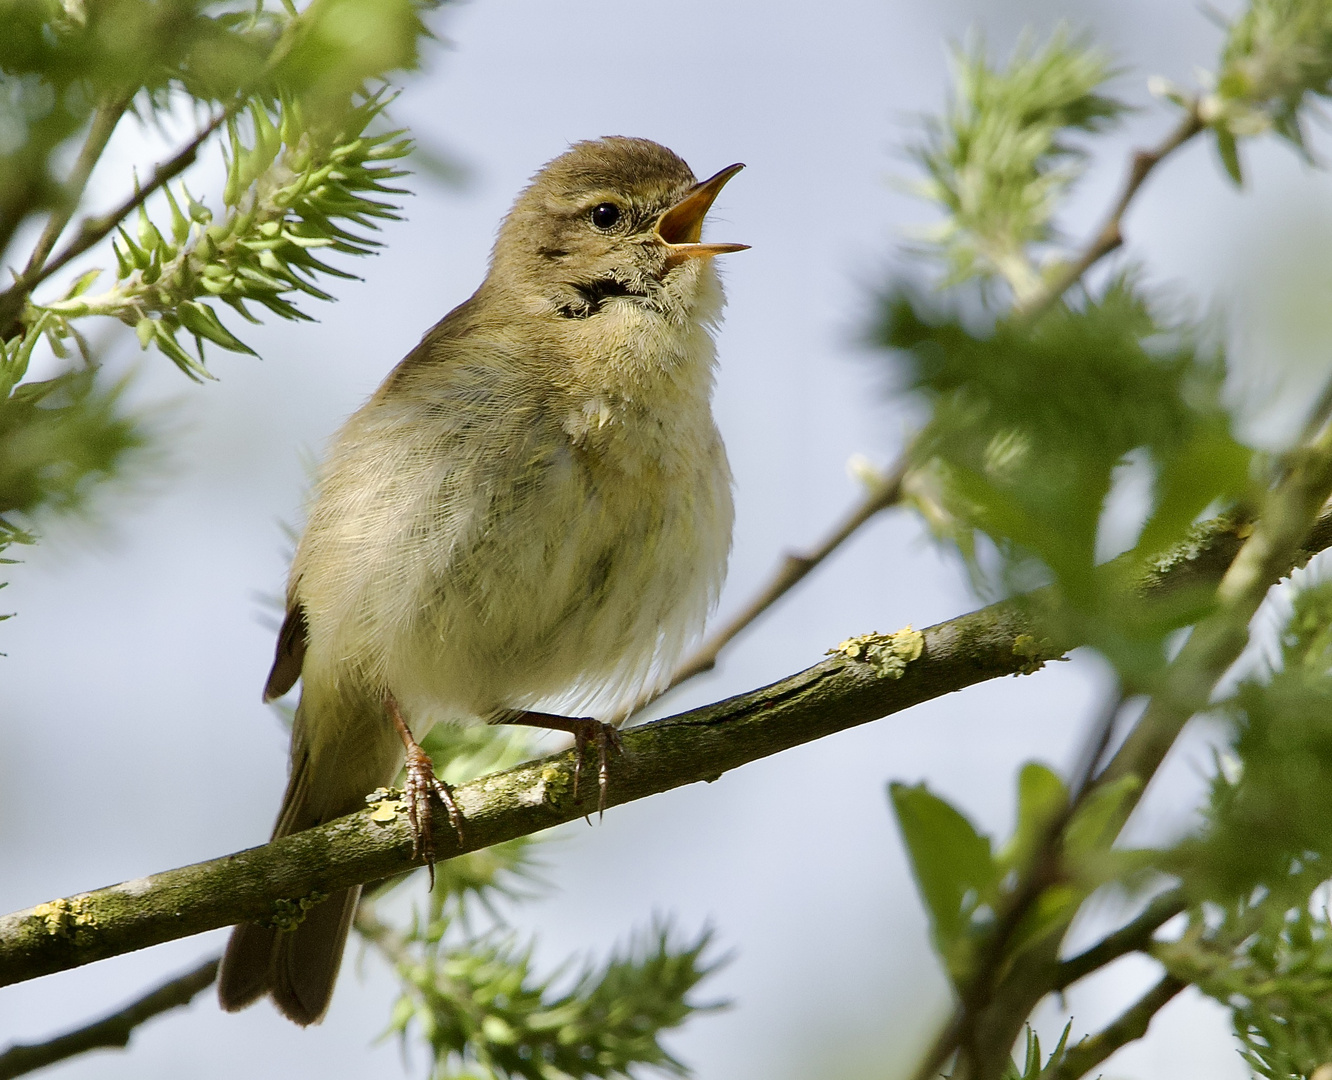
(611, 218)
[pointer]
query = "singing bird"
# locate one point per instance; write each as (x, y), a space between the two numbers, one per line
(533, 511)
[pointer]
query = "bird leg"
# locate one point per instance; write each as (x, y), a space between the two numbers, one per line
(585, 730)
(421, 782)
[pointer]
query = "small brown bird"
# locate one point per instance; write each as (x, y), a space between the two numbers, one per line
(533, 512)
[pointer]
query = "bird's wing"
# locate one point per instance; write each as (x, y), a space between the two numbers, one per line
(289, 655)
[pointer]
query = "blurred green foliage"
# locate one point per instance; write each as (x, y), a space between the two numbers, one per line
(1270, 818)
(1040, 408)
(58, 438)
(292, 95)
(1004, 153)
(1032, 422)
(487, 1016)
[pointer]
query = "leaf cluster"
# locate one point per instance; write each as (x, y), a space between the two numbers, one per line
(1270, 966)
(58, 437)
(1277, 54)
(60, 60)
(1259, 939)
(1269, 821)
(967, 884)
(292, 192)
(307, 176)
(486, 1014)
(1032, 423)
(471, 991)
(1002, 156)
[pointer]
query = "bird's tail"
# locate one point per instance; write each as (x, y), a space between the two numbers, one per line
(299, 967)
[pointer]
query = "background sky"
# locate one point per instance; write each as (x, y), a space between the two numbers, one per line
(132, 738)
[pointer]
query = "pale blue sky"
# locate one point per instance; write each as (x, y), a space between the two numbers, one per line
(133, 736)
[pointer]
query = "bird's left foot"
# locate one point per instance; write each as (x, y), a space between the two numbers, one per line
(420, 784)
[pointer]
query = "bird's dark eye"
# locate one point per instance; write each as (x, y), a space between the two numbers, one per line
(605, 215)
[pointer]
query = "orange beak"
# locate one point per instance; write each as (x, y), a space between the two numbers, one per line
(682, 225)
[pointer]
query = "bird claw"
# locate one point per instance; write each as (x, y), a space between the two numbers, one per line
(607, 739)
(420, 784)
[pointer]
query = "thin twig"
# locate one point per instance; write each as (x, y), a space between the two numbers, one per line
(1111, 234)
(104, 123)
(883, 492)
(1131, 1025)
(113, 1031)
(1134, 936)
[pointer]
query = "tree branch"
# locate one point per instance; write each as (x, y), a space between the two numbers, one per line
(839, 693)
(104, 122)
(110, 1032)
(1131, 1025)
(1110, 236)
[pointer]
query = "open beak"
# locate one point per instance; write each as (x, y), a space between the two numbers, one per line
(682, 225)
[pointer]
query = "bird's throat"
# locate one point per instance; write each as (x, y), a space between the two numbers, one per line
(591, 297)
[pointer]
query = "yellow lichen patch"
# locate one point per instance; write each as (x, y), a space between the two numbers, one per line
(1026, 647)
(386, 803)
(888, 654)
(556, 785)
(1033, 651)
(65, 918)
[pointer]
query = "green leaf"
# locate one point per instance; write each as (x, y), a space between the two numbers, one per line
(1042, 796)
(485, 1014)
(1229, 153)
(180, 225)
(83, 284)
(1098, 820)
(952, 864)
(165, 340)
(200, 319)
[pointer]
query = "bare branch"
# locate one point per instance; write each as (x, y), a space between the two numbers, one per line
(839, 693)
(104, 122)
(111, 1032)
(1135, 936)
